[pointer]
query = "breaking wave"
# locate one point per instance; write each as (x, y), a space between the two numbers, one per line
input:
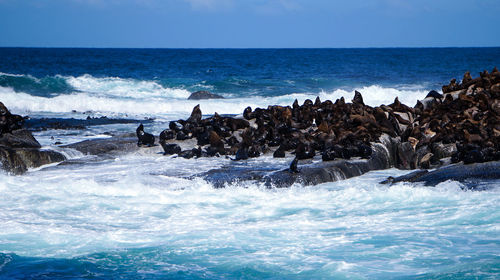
(26, 94)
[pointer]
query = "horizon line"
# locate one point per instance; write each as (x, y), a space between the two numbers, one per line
(249, 48)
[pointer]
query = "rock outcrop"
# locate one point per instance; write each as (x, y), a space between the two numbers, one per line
(468, 173)
(462, 124)
(203, 94)
(19, 150)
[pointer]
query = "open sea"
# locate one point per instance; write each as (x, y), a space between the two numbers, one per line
(143, 216)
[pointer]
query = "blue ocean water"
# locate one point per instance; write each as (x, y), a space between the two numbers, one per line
(142, 216)
(243, 72)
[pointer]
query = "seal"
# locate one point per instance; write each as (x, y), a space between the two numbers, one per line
(144, 138)
(293, 166)
(434, 94)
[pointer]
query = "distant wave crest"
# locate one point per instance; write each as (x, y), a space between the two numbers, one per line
(51, 86)
(130, 97)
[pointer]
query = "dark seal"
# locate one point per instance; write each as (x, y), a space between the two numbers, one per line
(144, 138)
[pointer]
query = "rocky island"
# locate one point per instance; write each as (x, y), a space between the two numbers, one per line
(325, 140)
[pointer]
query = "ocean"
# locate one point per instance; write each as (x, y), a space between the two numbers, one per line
(147, 216)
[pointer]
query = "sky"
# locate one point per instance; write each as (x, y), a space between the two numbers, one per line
(249, 23)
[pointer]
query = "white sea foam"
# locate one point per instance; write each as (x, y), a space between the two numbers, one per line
(124, 88)
(118, 96)
(346, 226)
(17, 75)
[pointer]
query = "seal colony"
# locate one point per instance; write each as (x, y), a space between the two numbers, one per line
(347, 138)
(462, 124)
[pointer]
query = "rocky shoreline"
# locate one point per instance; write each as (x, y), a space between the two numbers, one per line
(325, 140)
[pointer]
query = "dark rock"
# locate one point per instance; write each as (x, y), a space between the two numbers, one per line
(405, 178)
(406, 156)
(473, 156)
(364, 151)
(20, 138)
(203, 94)
(120, 144)
(8, 121)
(17, 160)
(19, 150)
(42, 124)
(462, 173)
(443, 150)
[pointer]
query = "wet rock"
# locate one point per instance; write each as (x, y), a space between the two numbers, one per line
(203, 94)
(17, 160)
(8, 121)
(120, 144)
(20, 138)
(406, 156)
(462, 173)
(19, 150)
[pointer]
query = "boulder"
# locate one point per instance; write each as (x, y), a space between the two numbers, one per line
(20, 138)
(19, 150)
(17, 160)
(203, 94)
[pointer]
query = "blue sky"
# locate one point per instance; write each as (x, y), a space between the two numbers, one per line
(249, 23)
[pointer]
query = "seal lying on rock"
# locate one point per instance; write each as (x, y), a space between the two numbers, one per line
(144, 138)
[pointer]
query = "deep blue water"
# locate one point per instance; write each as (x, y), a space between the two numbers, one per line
(262, 72)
